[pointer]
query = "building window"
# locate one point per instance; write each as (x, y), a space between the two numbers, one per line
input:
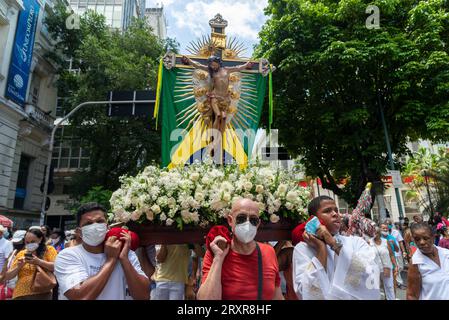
(22, 181)
(68, 152)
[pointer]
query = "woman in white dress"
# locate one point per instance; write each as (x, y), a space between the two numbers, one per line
(385, 261)
(428, 274)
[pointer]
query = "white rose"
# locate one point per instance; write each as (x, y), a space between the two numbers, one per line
(156, 209)
(259, 197)
(226, 197)
(282, 189)
(163, 217)
(247, 185)
(205, 180)
(195, 176)
(171, 203)
(261, 206)
(289, 205)
(259, 188)
(199, 196)
(150, 215)
(274, 218)
(169, 222)
(136, 215)
(292, 196)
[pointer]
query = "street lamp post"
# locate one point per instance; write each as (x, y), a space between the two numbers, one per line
(52, 140)
(390, 156)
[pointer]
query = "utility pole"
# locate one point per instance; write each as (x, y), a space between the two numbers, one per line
(52, 140)
(390, 156)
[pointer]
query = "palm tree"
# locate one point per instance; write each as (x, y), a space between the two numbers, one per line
(430, 172)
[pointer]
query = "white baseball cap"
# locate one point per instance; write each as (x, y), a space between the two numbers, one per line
(18, 236)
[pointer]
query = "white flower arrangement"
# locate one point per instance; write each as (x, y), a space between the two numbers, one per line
(202, 194)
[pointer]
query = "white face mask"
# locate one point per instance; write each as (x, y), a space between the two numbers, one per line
(94, 234)
(32, 247)
(384, 233)
(245, 232)
(55, 240)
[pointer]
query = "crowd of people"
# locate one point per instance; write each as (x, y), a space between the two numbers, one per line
(346, 256)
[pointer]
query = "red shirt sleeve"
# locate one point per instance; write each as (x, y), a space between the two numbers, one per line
(207, 262)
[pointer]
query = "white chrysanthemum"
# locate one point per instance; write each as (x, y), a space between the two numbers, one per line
(194, 217)
(185, 214)
(169, 222)
(163, 217)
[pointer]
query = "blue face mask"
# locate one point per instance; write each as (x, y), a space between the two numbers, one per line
(390, 226)
(6, 234)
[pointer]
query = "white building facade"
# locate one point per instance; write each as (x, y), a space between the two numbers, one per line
(156, 18)
(27, 104)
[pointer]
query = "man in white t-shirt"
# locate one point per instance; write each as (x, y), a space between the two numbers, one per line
(98, 269)
(5, 247)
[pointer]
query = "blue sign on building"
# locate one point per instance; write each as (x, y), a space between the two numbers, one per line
(22, 53)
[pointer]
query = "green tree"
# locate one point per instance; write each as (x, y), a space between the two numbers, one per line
(108, 60)
(430, 183)
(333, 74)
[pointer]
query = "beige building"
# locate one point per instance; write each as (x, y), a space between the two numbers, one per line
(25, 127)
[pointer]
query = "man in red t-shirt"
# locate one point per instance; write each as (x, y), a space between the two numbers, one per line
(232, 273)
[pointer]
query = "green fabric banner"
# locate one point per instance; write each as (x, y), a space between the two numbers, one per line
(179, 109)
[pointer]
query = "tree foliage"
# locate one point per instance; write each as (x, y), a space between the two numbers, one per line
(108, 60)
(333, 74)
(430, 179)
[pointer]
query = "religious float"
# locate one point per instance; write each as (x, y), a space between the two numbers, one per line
(210, 107)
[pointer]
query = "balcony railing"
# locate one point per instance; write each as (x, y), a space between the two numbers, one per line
(38, 115)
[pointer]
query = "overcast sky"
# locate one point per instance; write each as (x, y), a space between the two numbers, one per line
(189, 19)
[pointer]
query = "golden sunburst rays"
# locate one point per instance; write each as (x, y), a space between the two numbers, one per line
(184, 92)
(236, 46)
(247, 113)
(204, 46)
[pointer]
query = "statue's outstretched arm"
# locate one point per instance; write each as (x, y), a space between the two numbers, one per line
(194, 64)
(245, 66)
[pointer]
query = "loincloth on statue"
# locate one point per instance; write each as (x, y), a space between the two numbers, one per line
(223, 102)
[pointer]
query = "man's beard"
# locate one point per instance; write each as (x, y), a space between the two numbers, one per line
(212, 71)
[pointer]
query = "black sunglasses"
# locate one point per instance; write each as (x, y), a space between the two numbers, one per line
(242, 218)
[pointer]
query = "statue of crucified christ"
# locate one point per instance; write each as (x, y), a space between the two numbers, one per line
(218, 94)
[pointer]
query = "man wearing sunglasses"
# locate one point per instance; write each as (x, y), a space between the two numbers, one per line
(242, 269)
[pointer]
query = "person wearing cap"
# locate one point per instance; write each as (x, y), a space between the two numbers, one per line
(18, 243)
(36, 254)
(239, 268)
(328, 266)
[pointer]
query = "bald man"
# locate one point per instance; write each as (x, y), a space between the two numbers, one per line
(233, 273)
